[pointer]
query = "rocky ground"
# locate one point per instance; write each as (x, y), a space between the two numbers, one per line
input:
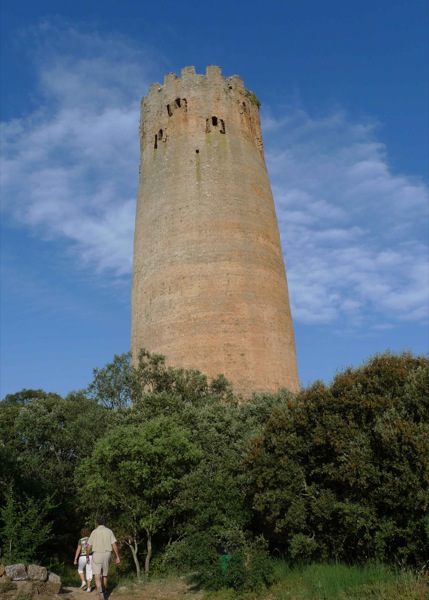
(33, 582)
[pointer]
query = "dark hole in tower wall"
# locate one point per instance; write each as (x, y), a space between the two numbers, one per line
(159, 137)
(215, 123)
(178, 103)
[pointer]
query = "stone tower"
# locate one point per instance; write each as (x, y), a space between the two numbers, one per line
(209, 282)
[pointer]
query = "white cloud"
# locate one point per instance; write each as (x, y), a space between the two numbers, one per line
(70, 169)
(354, 234)
(353, 231)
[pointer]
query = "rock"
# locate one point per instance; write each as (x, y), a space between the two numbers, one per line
(25, 588)
(2, 570)
(37, 573)
(16, 572)
(53, 585)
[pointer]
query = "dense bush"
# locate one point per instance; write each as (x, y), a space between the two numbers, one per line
(343, 471)
(246, 567)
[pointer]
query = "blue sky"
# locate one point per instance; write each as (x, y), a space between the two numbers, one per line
(344, 113)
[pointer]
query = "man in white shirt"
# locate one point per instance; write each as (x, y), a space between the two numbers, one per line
(102, 541)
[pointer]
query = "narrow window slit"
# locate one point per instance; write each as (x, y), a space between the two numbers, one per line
(214, 121)
(156, 141)
(177, 102)
(222, 126)
(170, 112)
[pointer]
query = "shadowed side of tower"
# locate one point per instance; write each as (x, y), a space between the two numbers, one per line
(209, 283)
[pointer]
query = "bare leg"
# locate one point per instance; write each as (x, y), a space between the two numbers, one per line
(104, 583)
(98, 583)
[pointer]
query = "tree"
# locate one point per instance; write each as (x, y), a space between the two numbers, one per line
(216, 513)
(137, 474)
(119, 385)
(343, 471)
(114, 386)
(25, 525)
(44, 437)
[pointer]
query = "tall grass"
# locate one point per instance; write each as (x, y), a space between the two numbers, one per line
(337, 582)
(341, 582)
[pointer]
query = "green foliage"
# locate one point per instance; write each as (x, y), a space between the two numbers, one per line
(25, 526)
(243, 568)
(337, 581)
(120, 385)
(152, 375)
(45, 437)
(137, 476)
(114, 386)
(253, 98)
(343, 472)
(182, 468)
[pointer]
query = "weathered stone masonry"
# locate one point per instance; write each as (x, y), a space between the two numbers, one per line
(209, 283)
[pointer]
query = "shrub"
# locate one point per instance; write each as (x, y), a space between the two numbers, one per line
(247, 568)
(341, 472)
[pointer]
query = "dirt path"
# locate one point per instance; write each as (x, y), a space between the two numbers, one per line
(161, 589)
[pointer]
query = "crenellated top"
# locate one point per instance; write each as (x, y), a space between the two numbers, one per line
(189, 79)
(198, 105)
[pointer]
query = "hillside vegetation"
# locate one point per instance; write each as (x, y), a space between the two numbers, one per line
(193, 480)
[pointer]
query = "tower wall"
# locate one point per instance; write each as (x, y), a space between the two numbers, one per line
(209, 283)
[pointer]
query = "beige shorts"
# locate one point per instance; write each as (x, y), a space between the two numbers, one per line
(100, 563)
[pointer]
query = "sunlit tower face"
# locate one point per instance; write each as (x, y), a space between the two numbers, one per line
(209, 282)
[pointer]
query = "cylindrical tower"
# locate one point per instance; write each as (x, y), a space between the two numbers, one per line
(209, 283)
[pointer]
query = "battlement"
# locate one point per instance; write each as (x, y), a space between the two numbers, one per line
(190, 79)
(198, 103)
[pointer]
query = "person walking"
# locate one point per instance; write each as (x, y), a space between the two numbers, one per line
(101, 541)
(81, 560)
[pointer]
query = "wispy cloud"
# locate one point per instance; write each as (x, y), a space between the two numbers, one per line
(354, 233)
(70, 169)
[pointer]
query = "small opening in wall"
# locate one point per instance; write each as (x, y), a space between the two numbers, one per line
(169, 110)
(160, 134)
(222, 126)
(177, 102)
(197, 151)
(155, 145)
(214, 121)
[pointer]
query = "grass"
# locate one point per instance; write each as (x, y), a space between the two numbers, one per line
(313, 582)
(337, 582)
